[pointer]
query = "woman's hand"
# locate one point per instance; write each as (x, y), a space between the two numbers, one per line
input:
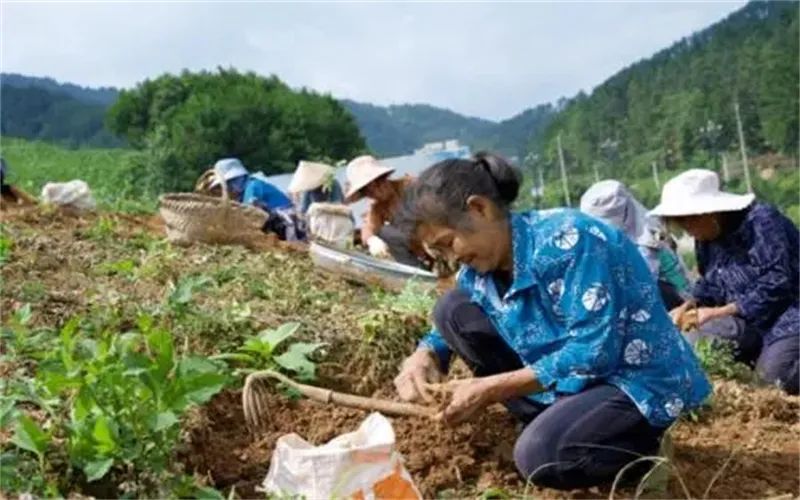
(378, 248)
(468, 397)
(677, 313)
(706, 314)
(417, 371)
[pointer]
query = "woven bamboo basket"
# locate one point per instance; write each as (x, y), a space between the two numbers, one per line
(193, 217)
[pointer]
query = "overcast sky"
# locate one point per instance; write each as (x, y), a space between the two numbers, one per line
(486, 60)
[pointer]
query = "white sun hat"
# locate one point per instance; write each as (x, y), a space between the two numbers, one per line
(229, 169)
(610, 201)
(309, 176)
(696, 192)
(360, 172)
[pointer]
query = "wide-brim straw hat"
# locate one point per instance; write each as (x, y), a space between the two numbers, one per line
(360, 172)
(309, 176)
(696, 192)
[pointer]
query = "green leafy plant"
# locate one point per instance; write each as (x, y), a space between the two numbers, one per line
(29, 436)
(717, 359)
(6, 245)
(125, 268)
(260, 352)
(121, 398)
(181, 294)
(494, 494)
(102, 230)
(414, 298)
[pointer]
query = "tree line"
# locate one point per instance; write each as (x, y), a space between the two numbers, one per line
(676, 109)
(183, 123)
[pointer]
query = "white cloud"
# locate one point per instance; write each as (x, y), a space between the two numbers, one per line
(489, 60)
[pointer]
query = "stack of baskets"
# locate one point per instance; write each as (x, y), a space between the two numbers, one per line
(193, 217)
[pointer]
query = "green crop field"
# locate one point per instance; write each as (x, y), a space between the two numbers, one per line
(110, 173)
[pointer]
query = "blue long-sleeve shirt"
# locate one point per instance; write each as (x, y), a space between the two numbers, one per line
(755, 265)
(263, 194)
(583, 308)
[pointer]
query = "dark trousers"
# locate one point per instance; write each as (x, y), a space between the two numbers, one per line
(581, 440)
(776, 357)
(399, 246)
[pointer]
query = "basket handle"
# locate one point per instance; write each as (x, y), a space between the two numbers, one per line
(225, 195)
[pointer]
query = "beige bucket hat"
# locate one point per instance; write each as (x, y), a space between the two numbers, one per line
(696, 192)
(360, 172)
(308, 176)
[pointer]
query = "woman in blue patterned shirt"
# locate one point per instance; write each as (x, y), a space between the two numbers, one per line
(748, 255)
(558, 317)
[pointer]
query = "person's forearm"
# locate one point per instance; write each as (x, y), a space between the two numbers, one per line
(510, 385)
(728, 310)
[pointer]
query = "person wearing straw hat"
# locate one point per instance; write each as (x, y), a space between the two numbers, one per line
(749, 262)
(611, 202)
(315, 183)
(366, 177)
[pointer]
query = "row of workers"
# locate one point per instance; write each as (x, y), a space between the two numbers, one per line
(560, 318)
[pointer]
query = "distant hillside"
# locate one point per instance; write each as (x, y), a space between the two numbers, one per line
(399, 129)
(676, 109)
(103, 95)
(38, 113)
(44, 109)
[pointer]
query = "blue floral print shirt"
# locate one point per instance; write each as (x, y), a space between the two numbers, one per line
(583, 308)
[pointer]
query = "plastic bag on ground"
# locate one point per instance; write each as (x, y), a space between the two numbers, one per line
(359, 465)
(75, 195)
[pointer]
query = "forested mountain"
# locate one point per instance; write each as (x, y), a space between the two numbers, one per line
(102, 95)
(49, 114)
(399, 129)
(677, 108)
(41, 108)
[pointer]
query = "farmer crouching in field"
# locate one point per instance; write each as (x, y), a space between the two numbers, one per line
(254, 189)
(611, 202)
(747, 256)
(558, 317)
(367, 178)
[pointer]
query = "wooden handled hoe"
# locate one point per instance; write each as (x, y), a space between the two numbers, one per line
(255, 399)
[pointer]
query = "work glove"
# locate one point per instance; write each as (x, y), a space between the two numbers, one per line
(416, 372)
(378, 248)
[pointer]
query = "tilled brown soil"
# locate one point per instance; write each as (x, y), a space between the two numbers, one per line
(438, 458)
(747, 447)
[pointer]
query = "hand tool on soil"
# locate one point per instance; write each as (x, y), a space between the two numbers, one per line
(255, 399)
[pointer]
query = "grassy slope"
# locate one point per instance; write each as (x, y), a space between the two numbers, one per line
(110, 176)
(107, 171)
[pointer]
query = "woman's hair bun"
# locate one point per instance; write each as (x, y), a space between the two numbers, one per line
(506, 177)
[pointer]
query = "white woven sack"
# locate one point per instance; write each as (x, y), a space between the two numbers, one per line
(331, 224)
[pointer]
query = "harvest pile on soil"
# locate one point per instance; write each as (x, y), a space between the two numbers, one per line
(108, 264)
